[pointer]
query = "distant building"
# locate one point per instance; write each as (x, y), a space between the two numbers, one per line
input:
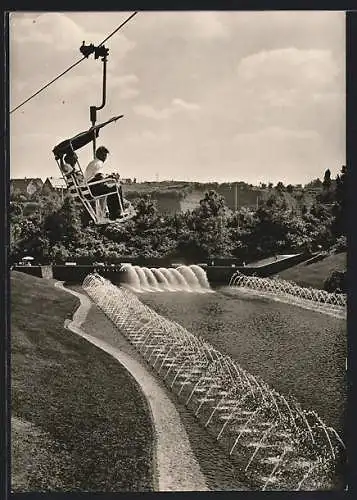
(313, 190)
(54, 185)
(126, 180)
(25, 186)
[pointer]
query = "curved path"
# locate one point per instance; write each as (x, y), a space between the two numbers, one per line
(176, 465)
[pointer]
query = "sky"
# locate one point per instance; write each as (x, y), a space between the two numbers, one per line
(206, 96)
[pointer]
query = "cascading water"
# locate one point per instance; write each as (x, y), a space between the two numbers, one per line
(201, 276)
(183, 279)
(161, 280)
(152, 280)
(132, 276)
(173, 282)
(182, 283)
(143, 280)
(190, 277)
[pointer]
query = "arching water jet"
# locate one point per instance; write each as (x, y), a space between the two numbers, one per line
(151, 279)
(130, 277)
(144, 283)
(190, 277)
(201, 276)
(161, 280)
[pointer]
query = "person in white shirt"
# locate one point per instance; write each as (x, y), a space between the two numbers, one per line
(93, 173)
(94, 168)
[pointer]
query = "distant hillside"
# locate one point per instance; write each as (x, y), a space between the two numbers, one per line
(294, 200)
(176, 196)
(315, 274)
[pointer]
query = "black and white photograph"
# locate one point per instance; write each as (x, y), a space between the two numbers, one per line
(178, 251)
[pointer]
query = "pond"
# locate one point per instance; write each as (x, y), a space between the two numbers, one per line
(297, 351)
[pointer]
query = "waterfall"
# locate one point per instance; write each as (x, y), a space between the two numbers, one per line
(131, 277)
(189, 277)
(172, 281)
(144, 283)
(183, 279)
(161, 279)
(201, 276)
(152, 279)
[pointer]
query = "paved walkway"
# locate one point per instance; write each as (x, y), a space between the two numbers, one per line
(177, 467)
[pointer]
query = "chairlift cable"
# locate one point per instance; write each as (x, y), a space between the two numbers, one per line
(73, 65)
(47, 85)
(118, 28)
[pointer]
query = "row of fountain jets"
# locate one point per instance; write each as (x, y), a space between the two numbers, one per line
(182, 278)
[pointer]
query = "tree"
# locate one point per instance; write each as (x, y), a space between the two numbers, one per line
(339, 209)
(240, 226)
(336, 282)
(206, 234)
(327, 180)
(316, 183)
(213, 204)
(64, 224)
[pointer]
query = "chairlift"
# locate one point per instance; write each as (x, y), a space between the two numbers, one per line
(96, 205)
(77, 186)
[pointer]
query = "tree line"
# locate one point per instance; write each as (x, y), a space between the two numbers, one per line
(58, 230)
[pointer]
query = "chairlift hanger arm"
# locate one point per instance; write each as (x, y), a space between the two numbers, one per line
(99, 51)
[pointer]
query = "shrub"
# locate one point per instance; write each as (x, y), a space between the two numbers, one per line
(340, 245)
(336, 282)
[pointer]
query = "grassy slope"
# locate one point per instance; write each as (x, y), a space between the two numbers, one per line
(79, 421)
(315, 274)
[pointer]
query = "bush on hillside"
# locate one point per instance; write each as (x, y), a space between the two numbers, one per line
(336, 282)
(340, 245)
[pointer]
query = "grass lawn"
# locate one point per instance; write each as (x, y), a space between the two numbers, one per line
(314, 275)
(79, 421)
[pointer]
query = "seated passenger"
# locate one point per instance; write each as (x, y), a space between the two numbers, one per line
(68, 166)
(93, 173)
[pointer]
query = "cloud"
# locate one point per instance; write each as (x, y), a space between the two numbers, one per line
(90, 84)
(59, 33)
(276, 134)
(207, 26)
(276, 151)
(188, 106)
(198, 26)
(124, 85)
(150, 112)
(240, 93)
(289, 68)
(50, 28)
(148, 138)
(176, 106)
(44, 45)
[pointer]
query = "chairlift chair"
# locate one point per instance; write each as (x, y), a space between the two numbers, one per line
(77, 186)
